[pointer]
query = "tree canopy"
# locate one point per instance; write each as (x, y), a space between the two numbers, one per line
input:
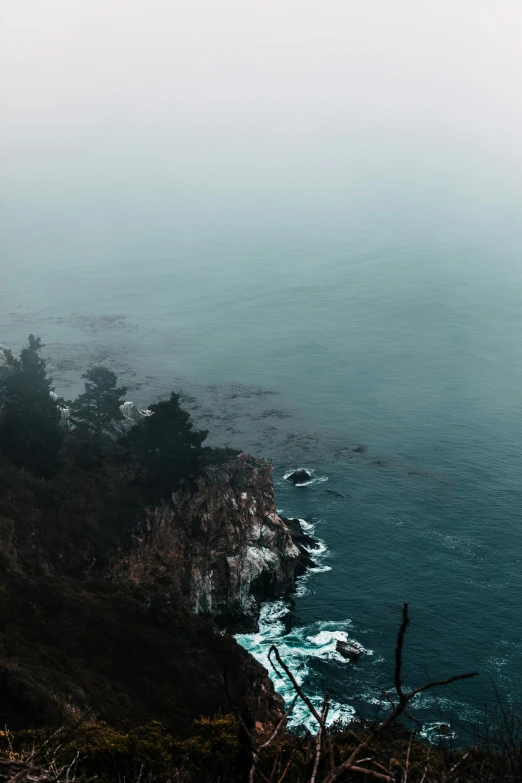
(167, 445)
(30, 432)
(98, 407)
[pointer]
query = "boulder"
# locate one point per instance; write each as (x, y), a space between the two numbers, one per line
(349, 650)
(300, 476)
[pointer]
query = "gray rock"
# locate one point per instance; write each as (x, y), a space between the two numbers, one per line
(224, 543)
(349, 650)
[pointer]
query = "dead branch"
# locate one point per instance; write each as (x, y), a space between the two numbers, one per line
(296, 687)
(319, 740)
(357, 757)
(400, 708)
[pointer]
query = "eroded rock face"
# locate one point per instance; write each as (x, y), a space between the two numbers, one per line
(238, 550)
(225, 543)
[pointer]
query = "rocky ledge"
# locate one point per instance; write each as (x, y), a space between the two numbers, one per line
(224, 543)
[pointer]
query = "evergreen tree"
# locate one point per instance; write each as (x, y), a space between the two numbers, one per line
(96, 410)
(30, 432)
(167, 445)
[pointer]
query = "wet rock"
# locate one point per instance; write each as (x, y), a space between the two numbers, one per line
(300, 476)
(349, 650)
(303, 542)
(299, 537)
(360, 449)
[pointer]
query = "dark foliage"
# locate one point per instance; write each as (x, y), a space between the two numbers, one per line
(95, 410)
(167, 446)
(73, 648)
(30, 432)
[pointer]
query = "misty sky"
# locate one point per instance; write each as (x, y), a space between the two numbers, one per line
(132, 104)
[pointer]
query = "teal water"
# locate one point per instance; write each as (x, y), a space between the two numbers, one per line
(404, 339)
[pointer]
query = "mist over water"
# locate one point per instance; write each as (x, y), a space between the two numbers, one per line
(309, 223)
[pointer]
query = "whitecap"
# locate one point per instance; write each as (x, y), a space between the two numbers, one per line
(307, 526)
(302, 718)
(324, 637)
(437, 732)
(319, 549)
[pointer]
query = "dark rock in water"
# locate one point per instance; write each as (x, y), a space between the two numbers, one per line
(334, 493)
(349, 651)
(359, 449)
(298, 534)
(303, 542)
(300, 476)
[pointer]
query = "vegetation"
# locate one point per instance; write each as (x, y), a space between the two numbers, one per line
(98, 408)
(167, 445)
(30, 432)
(163, 449)
(105, 674)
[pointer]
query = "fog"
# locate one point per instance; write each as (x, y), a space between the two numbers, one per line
(231, 113)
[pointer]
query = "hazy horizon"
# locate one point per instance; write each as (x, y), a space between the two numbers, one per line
(142, 119)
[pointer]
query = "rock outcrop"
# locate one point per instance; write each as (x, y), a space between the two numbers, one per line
(224, 542)
(349, 650)
(303, 542)
(300, 476)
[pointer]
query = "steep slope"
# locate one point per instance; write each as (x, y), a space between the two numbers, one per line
(222, 542)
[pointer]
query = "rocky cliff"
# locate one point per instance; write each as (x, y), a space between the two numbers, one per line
(223, 543)
(74, 639)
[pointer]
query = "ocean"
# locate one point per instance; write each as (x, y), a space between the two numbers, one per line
(384, 354)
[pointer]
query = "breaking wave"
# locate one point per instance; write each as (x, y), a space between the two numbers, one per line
(300, 646)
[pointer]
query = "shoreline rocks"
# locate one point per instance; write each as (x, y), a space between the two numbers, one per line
(299, 477)
(303, 542)
(349, 650)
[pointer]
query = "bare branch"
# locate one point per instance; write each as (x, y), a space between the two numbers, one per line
(372, 774)
(278, 727)
(436, 683)
(319, 740)
(399, 709)
(296, 687)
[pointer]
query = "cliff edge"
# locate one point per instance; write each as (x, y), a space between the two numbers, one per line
(221, 542)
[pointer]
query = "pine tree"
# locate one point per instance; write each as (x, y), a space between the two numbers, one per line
(96, 410)
(30, 432)
(167, 445)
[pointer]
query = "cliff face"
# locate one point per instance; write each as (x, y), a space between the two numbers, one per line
(226, 542)
(127, 648)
